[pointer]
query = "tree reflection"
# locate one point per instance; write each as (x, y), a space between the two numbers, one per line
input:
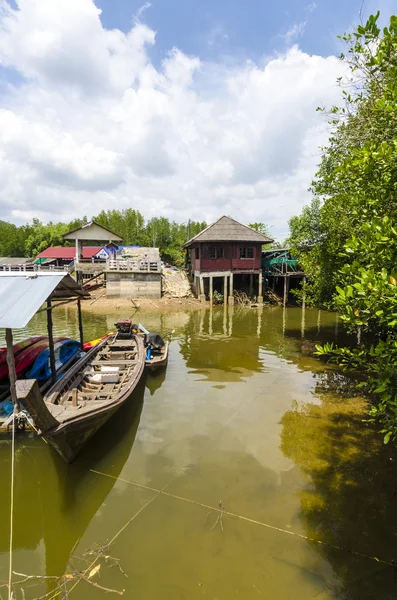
(351, 494)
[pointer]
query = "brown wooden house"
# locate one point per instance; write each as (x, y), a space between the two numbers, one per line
(230, 251)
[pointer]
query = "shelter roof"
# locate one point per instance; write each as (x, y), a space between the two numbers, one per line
(13, 261)
(92, 231)
(22, 294)
(227, 229)
(68, 253)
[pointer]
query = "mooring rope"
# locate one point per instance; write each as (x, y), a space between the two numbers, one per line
(116, 535)
(241, 517)
(10, 593)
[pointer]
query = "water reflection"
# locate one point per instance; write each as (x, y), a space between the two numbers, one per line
(244, 414)
(350, 498)
(55, 502)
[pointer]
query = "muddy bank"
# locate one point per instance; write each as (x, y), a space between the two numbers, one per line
(101, 304)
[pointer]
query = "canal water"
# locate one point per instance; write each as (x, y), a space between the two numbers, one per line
(243, 471)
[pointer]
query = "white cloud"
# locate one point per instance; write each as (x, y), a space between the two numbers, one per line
(311, 7)
(96, 125)
(295, 32)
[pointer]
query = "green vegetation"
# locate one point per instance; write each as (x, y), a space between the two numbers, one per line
(31, 239)
(347, 238)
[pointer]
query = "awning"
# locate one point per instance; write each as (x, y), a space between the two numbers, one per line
(22, 294)
(43, 261)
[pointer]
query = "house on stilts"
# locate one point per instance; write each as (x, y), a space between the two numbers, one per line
(226, 256)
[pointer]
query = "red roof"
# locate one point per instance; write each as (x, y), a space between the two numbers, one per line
(68, 253)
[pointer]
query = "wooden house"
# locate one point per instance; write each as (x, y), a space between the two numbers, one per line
(229, 254)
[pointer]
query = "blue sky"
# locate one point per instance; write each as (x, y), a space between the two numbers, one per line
(183, 109)
(237, 28)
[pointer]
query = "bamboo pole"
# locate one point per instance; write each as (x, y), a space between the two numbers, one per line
(80, 323)
(51, 341)
(11, 367)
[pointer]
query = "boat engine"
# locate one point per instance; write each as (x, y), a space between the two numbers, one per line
(124, 328)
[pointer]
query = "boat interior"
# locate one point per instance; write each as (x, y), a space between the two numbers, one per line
(96, 381)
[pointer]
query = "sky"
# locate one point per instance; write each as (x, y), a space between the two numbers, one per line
(177, 108)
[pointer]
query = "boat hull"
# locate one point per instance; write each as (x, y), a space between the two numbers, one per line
(68, 436)
(158, 362)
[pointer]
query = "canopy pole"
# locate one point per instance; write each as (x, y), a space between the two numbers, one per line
(80, 323)
(51, 341)
(11, 367)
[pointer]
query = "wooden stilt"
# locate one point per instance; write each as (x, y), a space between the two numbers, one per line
(51, 341)
(285, 291)
(80, 323)
(211, 288)
(11, 366)
(225, 290)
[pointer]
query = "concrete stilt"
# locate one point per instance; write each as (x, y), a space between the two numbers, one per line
(260, 293)
(225, 290)
(202, 295)
(231, 297)
(211, 288)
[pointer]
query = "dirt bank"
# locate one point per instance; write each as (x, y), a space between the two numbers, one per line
(101, 304)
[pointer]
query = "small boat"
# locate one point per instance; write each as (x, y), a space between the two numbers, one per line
(88, 345)
(17, 348)
(90, 392)
(156, 348)
(158, 358)
(25, 359)
(65, 351)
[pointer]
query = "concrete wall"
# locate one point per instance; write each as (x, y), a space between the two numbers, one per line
(133, 285)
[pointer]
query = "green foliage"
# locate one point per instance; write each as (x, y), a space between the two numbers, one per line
(265, 230)
(351, 226)
(217, 297)
(169, 236)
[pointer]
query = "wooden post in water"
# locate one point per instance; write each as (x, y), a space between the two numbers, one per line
(285, 290)
(11, 367)
(80, 323)
(51, 341)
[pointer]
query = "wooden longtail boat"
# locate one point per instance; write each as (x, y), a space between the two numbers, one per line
(158, 358)
(89, 393)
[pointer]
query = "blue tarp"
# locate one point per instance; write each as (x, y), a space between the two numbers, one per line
(64, 351)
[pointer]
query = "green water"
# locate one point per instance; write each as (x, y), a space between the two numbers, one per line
(242, 416)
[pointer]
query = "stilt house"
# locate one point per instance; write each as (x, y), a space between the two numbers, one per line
(226, 255)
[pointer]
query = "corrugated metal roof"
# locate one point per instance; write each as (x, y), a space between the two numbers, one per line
(227, 229)
(68, 252)
(22, 294)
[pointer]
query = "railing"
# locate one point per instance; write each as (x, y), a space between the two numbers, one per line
(130, 264)
(31, 267)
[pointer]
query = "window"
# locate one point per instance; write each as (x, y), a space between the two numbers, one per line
(246, 252)
(216, 252)
(197, 253)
